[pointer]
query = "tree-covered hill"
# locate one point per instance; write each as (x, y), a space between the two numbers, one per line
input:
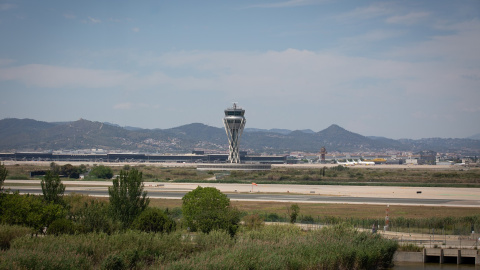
(32, 135)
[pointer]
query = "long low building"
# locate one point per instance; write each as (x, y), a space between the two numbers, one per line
(139, 157)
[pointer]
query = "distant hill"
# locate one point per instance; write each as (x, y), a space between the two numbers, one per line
(31, 135)
(475, 137)
(277, 130)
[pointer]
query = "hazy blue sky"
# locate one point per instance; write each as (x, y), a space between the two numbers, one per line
(399, 69)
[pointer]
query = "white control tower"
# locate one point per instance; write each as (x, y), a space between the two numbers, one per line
(234, 122)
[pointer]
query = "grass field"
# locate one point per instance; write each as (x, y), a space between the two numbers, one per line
(339, 210)
(338, 175)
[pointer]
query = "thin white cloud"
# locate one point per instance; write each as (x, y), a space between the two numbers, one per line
(56, 76)
(93, 20)
(408, 19)
(136, 29)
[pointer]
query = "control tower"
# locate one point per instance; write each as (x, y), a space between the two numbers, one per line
(234, 122)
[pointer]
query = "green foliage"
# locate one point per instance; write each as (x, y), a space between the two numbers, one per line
(29, 210)
(3, 176)
(253, 222)
(293, 212)
(132, 249)
(154, 220)
(102, 172)
(339, 168)
(207, 209)
(61, 226)
(127, 197)
(287, 247)
(114, 262)
(272, 247)
(10, 232)
(52, 187)
(410, 248)
(94, 216)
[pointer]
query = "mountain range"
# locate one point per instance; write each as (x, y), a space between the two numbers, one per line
(18, 135)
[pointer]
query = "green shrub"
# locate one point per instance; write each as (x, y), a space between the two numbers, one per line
(253, 222)
(154, 220)
(208, 209)
(29, 210)
(95, 217)
(9, 232)
(61, 226)
(102, 171)
(114, 262)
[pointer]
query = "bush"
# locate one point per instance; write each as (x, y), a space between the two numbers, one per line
(154, 220)
(61, 226)
(207, 209)
(95, 217)
(114, 262)
(9, 232)
(253, 222)
(29, 210)
(102, 172)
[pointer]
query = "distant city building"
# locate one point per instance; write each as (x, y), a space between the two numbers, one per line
(427, 157)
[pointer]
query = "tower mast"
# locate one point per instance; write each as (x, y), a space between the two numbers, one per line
(234, 122)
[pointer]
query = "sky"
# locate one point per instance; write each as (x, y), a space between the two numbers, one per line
(397, 69)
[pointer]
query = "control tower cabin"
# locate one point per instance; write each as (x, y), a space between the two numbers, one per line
(234, 122)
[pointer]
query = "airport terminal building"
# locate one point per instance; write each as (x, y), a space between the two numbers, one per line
(195, 157)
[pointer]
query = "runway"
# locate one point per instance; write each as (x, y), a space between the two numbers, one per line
(178, 193)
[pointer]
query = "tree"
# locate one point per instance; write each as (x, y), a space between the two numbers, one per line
(71, 171)
(3, 175)
(293, 212)
(208, 209)
(127, 197)
(102, 172)
(52, 187)
(29, 210)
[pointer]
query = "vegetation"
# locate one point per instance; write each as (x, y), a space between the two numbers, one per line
(52, 187)
(29, 210)
(293, 212)
(272, 247)
(68, 170)
(336, 175)
(154, 220)
(10, 232)
(3, 176)
(102, 172)
(207, 209)
(127, 197)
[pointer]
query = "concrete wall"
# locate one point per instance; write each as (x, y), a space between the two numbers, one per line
(402, 256)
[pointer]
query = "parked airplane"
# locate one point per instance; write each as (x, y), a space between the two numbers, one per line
(353, 161)
(347, 163)
(366, 162)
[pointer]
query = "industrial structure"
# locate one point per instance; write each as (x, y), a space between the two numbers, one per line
(323, 152)
(234, 122)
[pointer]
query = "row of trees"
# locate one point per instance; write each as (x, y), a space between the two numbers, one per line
(204, 209)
